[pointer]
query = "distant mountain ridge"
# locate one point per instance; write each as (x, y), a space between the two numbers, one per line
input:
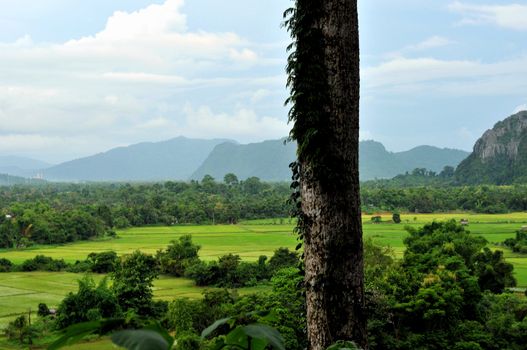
(269, 160)
(183, 159)
(499, 156)
(375, 162)
(174, 159)
(21, 166)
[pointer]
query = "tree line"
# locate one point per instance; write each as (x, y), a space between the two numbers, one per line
(61, 213)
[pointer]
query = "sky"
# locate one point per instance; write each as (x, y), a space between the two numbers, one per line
(79, 77)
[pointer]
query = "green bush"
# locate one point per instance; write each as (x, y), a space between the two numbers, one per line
(90, 301)
(5, 265)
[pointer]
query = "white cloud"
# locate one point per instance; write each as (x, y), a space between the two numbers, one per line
(430, 43)
(129, 82)
(243, 124)
(401, 76)
(511, 16)
(148, 22)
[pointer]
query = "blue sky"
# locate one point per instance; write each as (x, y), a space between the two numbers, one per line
(78, 77)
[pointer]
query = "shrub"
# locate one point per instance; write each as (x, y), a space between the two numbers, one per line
(43, 263)
(178, 256)
(188, 341)
(283, 258)
(43, 310)
(5, 265)
(133, 279)
(103, 262)
(90, 301)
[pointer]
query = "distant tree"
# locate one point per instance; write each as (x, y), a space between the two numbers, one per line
(396, 218)
(447, 172)
(494, 273)
(252, 185)
(43, 310)
(103, 262)
(376, 219)
(133, 280)
(207, 180)
(178, 256)
(230, 179)
(283, 258)
(91, 302)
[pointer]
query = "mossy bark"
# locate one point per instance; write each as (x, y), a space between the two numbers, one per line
(327, 133)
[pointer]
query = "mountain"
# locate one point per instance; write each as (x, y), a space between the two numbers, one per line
(174, 159)
(270, 160)
(21, 166)
(431, 158)
(499, 156)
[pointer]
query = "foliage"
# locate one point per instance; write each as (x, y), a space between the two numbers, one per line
(19, 330)
(433, 299)
(376, 219)
(43, 263)
(60, 213)
(178, 256)
(240, 335)
(5, 265)
(283, 258)
(43, 310)
(91, 303)
(230, 272)
(519, 243)
(103, 262)
(133, 280)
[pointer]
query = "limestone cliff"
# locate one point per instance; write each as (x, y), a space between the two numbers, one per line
(500, 155)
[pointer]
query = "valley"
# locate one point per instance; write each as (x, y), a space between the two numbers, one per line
(20, 291)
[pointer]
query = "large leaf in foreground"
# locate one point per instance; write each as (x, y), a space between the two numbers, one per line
(264, 332)
(140, 340)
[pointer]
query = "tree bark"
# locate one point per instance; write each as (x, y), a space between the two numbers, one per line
(333, 229)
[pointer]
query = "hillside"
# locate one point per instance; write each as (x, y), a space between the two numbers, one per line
(270, 160)
(21, 166)
(173, 159)
(499, 156)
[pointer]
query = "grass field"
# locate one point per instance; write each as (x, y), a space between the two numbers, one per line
(20, 291)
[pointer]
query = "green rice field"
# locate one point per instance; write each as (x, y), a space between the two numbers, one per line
(21, 291)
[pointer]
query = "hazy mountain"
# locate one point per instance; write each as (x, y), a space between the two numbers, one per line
(269, 160)
(21, 166)
(174, 159)
(499, 156)
(375, 162)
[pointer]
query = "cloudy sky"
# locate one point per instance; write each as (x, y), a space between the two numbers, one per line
(79, 77)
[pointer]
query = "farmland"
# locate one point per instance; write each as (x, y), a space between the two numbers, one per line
(21, 291)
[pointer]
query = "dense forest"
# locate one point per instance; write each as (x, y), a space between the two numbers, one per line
(59, 213)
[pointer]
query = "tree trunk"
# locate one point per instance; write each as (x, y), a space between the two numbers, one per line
(330, 199)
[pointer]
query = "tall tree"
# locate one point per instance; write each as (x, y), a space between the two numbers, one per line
(323, 70)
